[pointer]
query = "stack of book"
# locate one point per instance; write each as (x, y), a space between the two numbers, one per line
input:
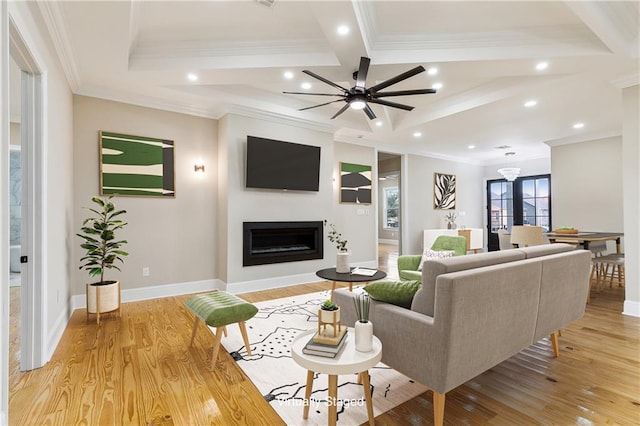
(324, 344)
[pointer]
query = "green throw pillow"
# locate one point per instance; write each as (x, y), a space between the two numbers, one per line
(395, 292)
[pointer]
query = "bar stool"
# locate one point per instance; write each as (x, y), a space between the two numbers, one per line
(610, 266)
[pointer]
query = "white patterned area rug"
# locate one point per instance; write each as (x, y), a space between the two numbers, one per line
(282, 381)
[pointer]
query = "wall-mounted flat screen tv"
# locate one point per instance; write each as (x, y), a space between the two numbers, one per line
(276, 164)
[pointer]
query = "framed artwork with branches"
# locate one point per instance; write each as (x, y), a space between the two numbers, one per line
(444, 191)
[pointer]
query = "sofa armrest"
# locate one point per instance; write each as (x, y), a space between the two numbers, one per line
(409, 262)
(412, 343)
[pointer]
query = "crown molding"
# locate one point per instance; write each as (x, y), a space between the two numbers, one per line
(585, 138)
(279, 118)
(53, 17)
(150, 102)
(626, 81)
(242, 54)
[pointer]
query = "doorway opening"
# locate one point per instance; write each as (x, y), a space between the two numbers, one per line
(389, 212)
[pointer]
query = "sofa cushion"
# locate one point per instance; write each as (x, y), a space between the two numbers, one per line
(410, 275)
(395, 292)
(546, 249)
(435, 254)
(423, 300)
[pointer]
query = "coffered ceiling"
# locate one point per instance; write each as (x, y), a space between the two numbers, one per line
(485, 54)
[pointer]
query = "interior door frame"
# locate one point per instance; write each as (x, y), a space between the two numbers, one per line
(33, 348)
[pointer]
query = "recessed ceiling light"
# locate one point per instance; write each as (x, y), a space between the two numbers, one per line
(436, 86)
(417, 134)
(288, 75)
(379, 123)
(471, 147)
(578, 125)
(540, 66)
(530, 104)
(192, 77)
(306, 86)
(343, 30)
(432, 71)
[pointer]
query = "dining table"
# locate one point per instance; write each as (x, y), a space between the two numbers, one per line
(584, 238)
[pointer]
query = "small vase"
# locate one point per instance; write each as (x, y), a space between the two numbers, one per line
(342, 263)
(364, 336)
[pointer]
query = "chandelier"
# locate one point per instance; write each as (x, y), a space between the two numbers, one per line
(509, 173)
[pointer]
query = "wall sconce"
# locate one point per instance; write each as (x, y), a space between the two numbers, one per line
(199, 168)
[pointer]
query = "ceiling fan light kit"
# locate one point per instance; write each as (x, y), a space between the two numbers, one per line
(359, 97)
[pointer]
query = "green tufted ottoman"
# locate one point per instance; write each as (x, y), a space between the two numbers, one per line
(219, 309)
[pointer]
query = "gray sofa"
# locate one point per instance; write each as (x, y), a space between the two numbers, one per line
(473, 312)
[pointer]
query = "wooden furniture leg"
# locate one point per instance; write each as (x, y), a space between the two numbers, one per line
(438, 408)
(98, 304)
(193, 331)
(366, 387)
(333, 399)
(243, 330)
(333, 288)
(216, 348)
(307, 394)
(554, 342)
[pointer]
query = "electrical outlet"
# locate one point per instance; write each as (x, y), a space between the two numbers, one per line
(145, 271)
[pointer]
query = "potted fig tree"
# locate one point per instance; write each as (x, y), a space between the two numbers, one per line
(103, 251)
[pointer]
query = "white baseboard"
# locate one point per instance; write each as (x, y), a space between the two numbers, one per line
(79, 301)
(631, 308)
(3, 418)
(56, 332)
(385, 241)
(269, 283)
(286, 281)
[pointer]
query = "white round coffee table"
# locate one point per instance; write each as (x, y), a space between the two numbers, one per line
(348, 361)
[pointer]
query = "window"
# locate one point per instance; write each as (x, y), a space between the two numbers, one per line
(391, 207)
(525, 201)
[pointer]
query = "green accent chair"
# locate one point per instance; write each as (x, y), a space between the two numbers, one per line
(408, 264)
(219, 309)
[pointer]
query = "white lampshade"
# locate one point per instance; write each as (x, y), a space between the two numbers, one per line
(509, 173)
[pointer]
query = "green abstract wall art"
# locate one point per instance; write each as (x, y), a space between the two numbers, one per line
(136, 165)
(355, 183)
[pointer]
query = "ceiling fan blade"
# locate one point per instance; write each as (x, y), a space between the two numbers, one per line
(326, 103)
(362, 72)
(397, 79)
(317, 94)
(343, 109)
(403, 93)
(369, 112)
(324, 80)
(391, 104)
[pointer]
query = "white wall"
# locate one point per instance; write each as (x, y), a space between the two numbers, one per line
(586, 185)
(418, 195)
(174, 237)
(249, 205)
(356, 222)
(631, 194)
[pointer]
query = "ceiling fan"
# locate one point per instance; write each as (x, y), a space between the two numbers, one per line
(359, 97)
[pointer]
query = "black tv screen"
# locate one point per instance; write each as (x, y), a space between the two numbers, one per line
(275, 164)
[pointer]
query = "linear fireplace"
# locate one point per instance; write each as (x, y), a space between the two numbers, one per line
(277, 242)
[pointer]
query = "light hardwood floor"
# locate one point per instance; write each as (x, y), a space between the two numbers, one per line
(138, 369)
